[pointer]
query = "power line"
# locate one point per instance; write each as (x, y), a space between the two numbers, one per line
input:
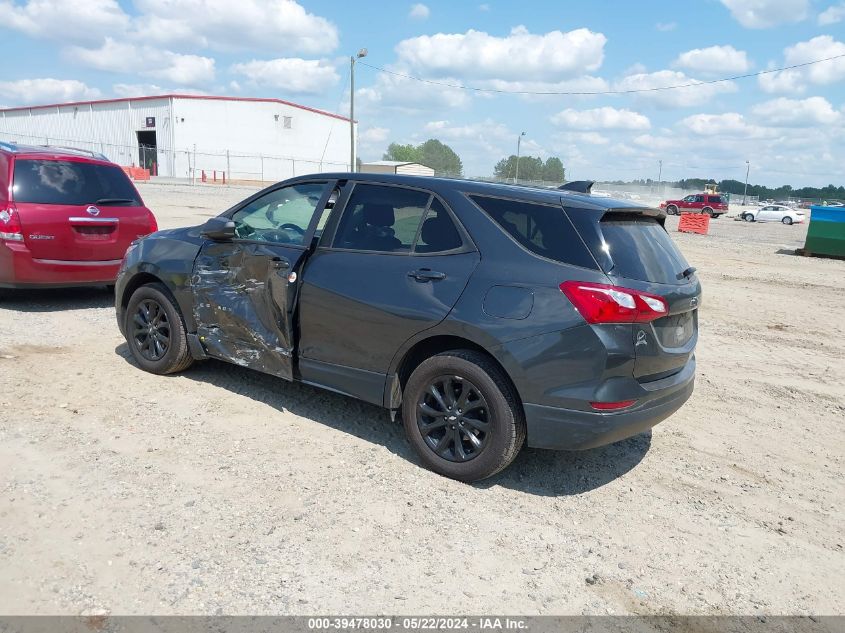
(599, 92)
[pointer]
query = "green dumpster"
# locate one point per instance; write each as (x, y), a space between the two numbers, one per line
(826, 233)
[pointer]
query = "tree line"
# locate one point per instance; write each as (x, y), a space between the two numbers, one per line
(445, 162)
(737, 187)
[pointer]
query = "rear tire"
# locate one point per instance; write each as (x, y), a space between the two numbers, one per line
(787, 220)
(707, 211)
(155, 331)
(474, 427)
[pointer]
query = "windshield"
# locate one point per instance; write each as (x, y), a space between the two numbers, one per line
(72, 183)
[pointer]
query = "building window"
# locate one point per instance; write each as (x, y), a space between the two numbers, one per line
(287, 122)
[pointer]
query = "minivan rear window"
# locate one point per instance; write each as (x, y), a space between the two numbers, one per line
(640, 248)
(71, 182)
(541, 228)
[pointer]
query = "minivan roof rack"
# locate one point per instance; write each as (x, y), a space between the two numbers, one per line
(581, 186)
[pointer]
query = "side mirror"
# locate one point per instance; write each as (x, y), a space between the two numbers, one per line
(218, 229)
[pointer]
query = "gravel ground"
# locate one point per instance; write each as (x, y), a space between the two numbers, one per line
(226, 491)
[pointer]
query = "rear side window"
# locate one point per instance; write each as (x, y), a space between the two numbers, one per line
(715, 200)
(437, 233)
(72, 182)
(542, 229)
(640, 248)
(380, 218)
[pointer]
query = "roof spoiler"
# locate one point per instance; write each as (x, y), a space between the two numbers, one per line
(581, 186)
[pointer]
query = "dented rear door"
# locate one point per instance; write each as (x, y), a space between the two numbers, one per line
(245, 290)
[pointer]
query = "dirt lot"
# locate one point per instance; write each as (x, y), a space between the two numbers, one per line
(226, 491)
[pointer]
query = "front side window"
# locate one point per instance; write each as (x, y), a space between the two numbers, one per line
(689, 199)
(380, 218)
(72, 182)
(281, 216)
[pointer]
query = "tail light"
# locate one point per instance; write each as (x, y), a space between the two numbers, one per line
(602, 303)
(153, 223)
(11, 229)
(612, 406)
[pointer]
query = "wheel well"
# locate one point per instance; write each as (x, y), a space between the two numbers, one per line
(141, 279)
(438, 344)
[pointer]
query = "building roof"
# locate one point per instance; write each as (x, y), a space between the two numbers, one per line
(179, 96)
(392, 163)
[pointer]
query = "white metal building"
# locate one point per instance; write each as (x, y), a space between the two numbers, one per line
(396, 167)
(184, 135)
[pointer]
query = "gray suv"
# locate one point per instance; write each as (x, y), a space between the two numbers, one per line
(488, 315)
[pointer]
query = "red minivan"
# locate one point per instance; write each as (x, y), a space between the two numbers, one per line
(67, 217)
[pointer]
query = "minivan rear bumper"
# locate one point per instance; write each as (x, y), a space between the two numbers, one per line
(18, 269)
(567, 429)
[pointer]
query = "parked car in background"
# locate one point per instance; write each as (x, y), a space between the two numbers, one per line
(67, 217)
(485, 313)
(713, 205)
(774, 213)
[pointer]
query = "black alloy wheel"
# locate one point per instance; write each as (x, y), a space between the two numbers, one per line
(151, 330)
(453, 418)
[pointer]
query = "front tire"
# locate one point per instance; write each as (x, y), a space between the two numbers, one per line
(748, 217)
(672, 209)
(462, 416)
(787, 220)
(155, 331)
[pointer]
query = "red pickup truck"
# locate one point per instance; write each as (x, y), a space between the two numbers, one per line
(713, 205)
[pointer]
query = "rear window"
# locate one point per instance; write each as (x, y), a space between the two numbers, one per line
(640, 248)
(72, 182)
(542, 229)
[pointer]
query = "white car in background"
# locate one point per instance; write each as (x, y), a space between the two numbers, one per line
(774, 213)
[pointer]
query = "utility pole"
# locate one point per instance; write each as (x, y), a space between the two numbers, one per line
(518, 141)
(745, 191)
(361, 53)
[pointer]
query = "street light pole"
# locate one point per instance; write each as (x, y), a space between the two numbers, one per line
(361, 53)
(745, 191)
(518, 141)
(659, 176)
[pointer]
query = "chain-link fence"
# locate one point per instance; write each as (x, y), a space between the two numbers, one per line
(193, 165)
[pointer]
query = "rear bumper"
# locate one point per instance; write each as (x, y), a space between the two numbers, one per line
(18, 269)
(567, 429)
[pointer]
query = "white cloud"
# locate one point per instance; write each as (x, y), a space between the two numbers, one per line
(823, 73)
(84, 21)
(606, 118)
(484, 7)
(393, 92)
(693, 95)
(797, 112)
(294, 75)
(46, 90)
(730, 124)
(374, 135)
(666, 26)
(482, 131)
(146, 90)
(520, 56)
(832, 15)
(714, 60)
(763, 14)
(277, 25)
(147, 61)
(419, 12)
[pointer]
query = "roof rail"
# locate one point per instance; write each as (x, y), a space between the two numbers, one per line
(88, 152)
(581, 186)
(9, 146)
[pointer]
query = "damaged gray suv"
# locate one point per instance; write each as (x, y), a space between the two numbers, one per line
(490, 316)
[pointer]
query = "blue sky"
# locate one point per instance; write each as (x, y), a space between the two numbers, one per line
(789, 125)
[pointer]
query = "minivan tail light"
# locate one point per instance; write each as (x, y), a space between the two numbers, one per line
(11, 229)
(602, 303)
(612, 406)
(153, 223)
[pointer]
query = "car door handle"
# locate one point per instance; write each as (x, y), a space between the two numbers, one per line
(425, 274)
(279, 263)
